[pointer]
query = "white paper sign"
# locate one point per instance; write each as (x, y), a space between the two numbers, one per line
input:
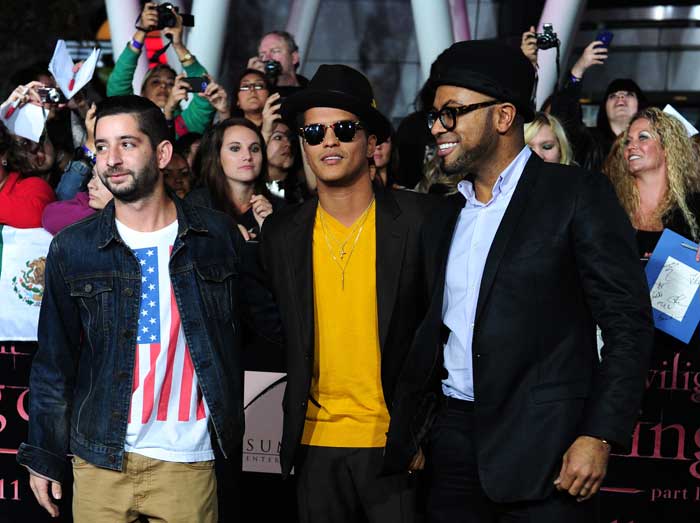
(674, 288)
(689, 128)
(61, 67)
(27, 121)
(262, 400)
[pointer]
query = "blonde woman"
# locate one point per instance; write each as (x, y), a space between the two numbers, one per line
(653, 166)
(546, 137)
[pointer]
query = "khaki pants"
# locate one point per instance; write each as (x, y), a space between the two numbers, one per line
(159, 491)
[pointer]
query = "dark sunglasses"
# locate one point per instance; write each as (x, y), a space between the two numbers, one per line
(344, 130)
(448, 115)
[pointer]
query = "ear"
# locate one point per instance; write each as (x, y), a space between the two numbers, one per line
(164, 152)
(295, 58)
(371, 145)
(504, 116)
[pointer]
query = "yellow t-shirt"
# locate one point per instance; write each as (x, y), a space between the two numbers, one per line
(346, 406)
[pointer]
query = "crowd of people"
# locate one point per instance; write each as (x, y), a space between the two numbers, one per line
(451, 332)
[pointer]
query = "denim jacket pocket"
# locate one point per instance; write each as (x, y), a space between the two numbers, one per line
(93, 294)
(215, 287)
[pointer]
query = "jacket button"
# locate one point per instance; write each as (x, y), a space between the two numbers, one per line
(128, 292)
(115, 414)
(88, 287)
(112, 459)
(126, 333)
(123, 376)
(303, 405)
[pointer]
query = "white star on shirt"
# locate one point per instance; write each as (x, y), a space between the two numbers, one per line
(144, 330)
(151, 304)
(151, 287)
(138, 338)
(153, 337)
(143, 262)
(149, 252)
(151, 269)
(152, 320)
(144, 312)
(143, 279)
(144, 296)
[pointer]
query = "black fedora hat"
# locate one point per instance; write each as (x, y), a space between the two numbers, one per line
(341, 87)
(488, 67)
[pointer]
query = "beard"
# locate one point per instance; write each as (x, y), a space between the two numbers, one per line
(141, 185)
(471, 159)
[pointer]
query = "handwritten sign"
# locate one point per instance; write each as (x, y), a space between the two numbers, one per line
(674, 288)
(674, 278)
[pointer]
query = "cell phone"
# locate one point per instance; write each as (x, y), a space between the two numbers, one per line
(606, 37)
(197, 84)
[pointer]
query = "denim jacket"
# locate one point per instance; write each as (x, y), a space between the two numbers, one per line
(82, 373)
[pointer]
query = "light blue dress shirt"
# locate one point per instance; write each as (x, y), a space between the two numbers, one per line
(476, 227)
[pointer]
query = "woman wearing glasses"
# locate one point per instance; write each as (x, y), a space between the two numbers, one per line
(253, 90)
(234, 169)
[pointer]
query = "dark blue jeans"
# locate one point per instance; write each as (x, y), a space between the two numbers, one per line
(455, 494)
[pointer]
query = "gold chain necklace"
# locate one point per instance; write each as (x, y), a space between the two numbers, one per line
(326, 233)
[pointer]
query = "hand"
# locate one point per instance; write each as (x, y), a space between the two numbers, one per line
(175, 33)
(24, 94)
(583, 467)
(270, 114)
(177, 94)
(528, 45)
(40, 487)
(593, 54)
(148, 19)
(217, 97)
(418, 461)
(90, 127)
(262, 208)
(256, 63)
(244, 232)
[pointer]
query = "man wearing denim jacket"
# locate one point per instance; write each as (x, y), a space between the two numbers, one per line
(138, 370)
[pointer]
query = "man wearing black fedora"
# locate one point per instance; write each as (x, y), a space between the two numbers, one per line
(350, 277)
(522, 411)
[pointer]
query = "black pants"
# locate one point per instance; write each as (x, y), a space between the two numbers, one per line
(455, 494)
(342, 485)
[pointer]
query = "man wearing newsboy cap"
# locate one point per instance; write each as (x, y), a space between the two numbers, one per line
(522, 412)
(350, 275)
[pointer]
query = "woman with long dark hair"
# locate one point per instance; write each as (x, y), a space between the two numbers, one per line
(233, 171)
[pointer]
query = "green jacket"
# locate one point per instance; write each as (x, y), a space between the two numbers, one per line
(198, 114)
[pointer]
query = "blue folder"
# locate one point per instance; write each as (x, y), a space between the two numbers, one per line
(671, 249)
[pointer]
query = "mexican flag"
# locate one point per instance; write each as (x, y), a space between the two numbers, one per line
(22, 261)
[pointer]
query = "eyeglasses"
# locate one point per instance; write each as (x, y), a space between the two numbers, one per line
(250, 87)
(448, 115)
(344, 130)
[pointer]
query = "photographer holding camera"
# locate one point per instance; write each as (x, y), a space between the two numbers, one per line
(278, 58)
(159, 82)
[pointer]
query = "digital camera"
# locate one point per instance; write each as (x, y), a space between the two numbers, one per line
(167, 18)
(272, 69)
(51, 95)
(547, 38)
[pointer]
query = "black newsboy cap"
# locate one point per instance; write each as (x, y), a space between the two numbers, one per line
(488, 67)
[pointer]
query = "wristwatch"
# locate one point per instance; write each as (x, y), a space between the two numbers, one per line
(189, 56)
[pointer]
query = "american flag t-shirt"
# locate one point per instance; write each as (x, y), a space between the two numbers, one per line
(168, 416)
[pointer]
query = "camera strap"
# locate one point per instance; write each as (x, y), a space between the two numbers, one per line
(156, 56)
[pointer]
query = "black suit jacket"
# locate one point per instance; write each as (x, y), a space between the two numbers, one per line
(563, 260)
(402, 293)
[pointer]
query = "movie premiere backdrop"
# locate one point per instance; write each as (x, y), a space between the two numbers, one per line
(658, 481)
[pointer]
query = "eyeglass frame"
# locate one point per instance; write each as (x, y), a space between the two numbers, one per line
(253, 87)
(358, 127)
(434, 116)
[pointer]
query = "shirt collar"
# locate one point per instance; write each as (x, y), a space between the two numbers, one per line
(505, 183)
